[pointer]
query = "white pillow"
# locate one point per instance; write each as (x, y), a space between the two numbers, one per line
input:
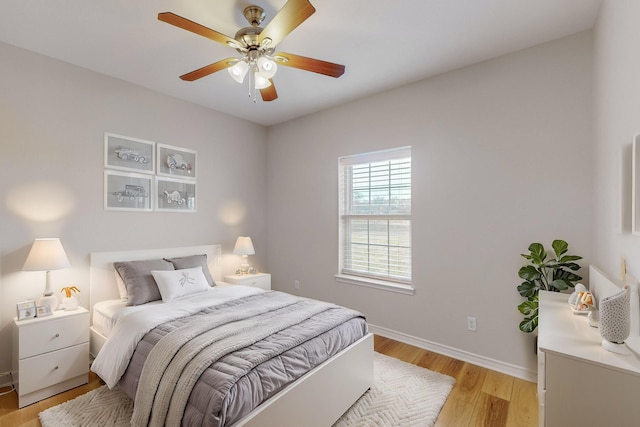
(122, 288)
(177, 283)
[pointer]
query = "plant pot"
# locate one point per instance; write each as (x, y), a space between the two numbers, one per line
(70, 303)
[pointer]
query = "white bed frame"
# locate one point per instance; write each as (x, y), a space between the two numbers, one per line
(317, 399)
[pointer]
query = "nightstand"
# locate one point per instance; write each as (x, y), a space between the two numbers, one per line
(50, 354)
(260, 280)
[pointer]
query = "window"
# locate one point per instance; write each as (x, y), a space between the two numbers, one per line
(375, 217)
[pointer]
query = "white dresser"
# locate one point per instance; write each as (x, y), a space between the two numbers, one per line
(259, 280)
(50, 354)
(579, 382)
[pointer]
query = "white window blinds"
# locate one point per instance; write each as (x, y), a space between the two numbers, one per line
(375, 215)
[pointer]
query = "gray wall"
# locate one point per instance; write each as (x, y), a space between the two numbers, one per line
(502, 155)
(53, 117)
(617, 121)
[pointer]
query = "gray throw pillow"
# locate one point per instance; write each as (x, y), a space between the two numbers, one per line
(141, 286)
(192, 261)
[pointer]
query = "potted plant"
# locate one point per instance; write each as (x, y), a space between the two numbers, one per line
(69, 302)
(543, 273)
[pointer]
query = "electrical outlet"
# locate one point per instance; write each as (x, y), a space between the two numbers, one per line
(471, 324)
(296, 284)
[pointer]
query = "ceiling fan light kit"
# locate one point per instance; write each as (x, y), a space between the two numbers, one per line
(256, 45)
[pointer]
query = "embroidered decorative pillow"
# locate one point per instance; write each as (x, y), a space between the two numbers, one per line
(178, 283)
(193, 261)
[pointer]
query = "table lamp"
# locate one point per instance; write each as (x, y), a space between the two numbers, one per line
(244, 247)
(47, 255)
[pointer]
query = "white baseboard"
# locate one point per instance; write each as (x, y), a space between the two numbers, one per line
(485, 362)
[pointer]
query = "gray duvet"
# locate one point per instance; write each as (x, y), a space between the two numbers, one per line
(247, 359)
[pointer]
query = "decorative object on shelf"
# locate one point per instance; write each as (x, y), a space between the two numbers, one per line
(46, 255)
(573, 298)
(549, 274)
(244, 247)
(69, 302)
(615, 321)
(26, 309)
(584, 303)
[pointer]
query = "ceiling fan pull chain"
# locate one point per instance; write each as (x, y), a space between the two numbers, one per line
(252, 85)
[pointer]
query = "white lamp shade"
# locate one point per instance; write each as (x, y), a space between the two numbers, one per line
(267, 67)
(45, 255)
(244, 246)
(238, 71)
(261, 82)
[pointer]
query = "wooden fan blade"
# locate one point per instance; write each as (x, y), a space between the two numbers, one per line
(209, 69)
(269, 93)
(309, 64)
(292, 14)
(185, 24)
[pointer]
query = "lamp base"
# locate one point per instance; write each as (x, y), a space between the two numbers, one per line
(615, 348)
(50, 300)
(245, 268)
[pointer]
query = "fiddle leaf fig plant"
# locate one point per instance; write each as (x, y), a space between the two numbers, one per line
(545, 273)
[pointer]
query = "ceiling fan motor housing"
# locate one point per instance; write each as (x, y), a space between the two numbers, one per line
(249, 36)
(254, 14)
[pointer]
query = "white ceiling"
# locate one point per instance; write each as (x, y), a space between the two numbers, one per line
(383, 44)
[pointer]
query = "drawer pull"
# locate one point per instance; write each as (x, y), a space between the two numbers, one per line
(55, 368)
(57, 336)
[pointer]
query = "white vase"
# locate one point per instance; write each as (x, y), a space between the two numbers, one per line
(70, 303)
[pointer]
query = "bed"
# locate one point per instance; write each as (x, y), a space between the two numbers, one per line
(316, 398)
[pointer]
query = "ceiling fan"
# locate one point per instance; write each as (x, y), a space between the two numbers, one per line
(256, 46)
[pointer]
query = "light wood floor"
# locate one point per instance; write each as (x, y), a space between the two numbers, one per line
(480, 397)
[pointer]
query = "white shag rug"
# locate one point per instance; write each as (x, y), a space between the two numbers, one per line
(403, 395)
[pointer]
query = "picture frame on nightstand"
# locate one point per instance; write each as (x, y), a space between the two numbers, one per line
(26, 309)
(43, 310)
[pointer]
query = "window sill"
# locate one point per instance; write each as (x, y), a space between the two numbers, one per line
(376, 284)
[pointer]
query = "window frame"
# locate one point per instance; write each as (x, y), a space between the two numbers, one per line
(386, 282)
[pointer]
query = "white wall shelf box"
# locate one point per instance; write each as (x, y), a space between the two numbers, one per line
(50, 354)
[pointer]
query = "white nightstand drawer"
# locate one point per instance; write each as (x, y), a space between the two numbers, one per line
(260, 280)
(43, 337)
(51, 368)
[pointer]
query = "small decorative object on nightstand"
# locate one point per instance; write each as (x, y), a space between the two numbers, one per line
(69, 302)
(47, 255)
(259, 280)
(50, 354)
